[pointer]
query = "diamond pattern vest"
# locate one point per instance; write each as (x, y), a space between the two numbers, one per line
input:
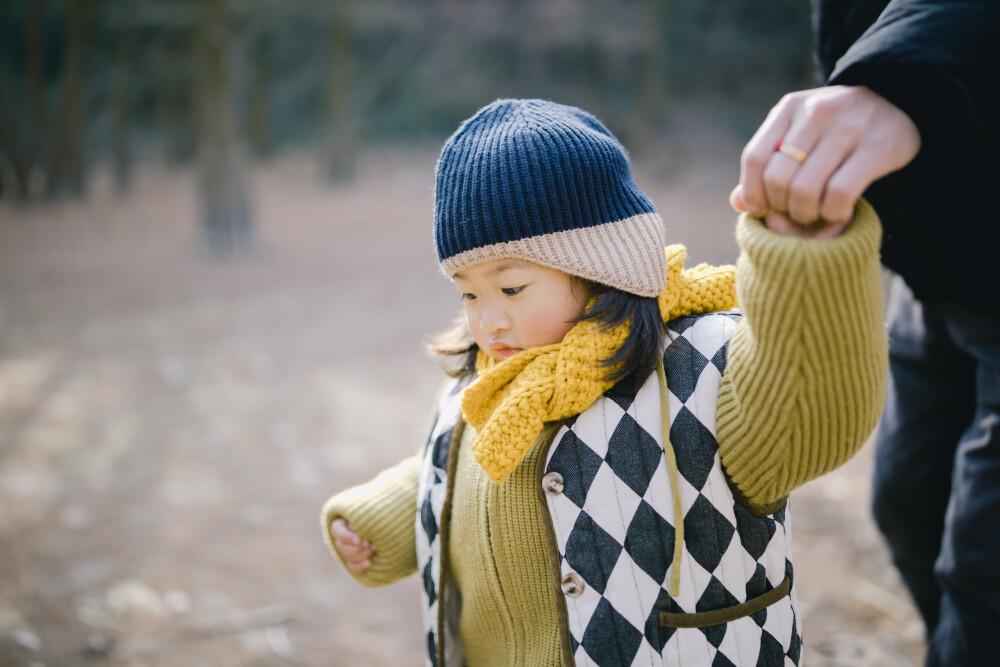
(610, 502)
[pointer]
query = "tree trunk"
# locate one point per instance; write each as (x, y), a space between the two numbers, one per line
(341, 148)
(175, 97)
(34, 66)
(10, 145)
(226, 222)
(121, 95)
(652, 75)
(67, 170)
(260, 90)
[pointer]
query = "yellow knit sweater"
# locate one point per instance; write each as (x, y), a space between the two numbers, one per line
(803, 388)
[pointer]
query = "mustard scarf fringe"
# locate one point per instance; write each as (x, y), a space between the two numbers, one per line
(512, 399)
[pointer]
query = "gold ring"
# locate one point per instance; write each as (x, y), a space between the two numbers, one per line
(791, 151)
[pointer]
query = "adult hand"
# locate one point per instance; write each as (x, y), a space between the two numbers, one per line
(356, 552)
(838, 140)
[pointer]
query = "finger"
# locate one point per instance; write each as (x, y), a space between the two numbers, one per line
(810, 183)
(341, 530)
(889, 148)
(359, 566)
(758, 153)
(349, 551)
(777, 178)
(846, 186)
(347, 543)
(350, 547)
(792, 153)
(357, 558)
(736, 200)
(781, 224)
(828, 230)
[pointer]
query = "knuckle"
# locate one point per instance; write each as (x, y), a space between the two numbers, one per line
(850, 127)
(775, 183)
(803, 198)
(839, 193)
(790, 99)
(787, 105)
(836, 206)
(754, 202)
(753, 158)
(819, 109)
(801, 192)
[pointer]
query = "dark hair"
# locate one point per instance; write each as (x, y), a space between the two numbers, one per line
(635, 359)
(609, 308)
(456, 348)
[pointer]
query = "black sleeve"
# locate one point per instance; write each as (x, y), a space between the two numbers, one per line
(836, 25)
(939, 61)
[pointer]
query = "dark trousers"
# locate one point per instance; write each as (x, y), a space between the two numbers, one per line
(937, 472)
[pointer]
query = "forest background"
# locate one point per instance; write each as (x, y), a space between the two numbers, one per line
(216, 278)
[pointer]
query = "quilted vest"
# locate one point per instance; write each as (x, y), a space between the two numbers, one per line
(611, 505)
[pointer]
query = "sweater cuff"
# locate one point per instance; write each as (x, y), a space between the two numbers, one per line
(776, 257)
(383, 512)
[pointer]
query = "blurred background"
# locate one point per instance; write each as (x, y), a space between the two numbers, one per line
(217, 277)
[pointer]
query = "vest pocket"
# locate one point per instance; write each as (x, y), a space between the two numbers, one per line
(762, 632)
(719, 616)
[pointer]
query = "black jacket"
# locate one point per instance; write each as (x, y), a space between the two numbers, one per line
(939, 61)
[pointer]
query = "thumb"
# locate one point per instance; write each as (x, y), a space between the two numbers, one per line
(736, 199)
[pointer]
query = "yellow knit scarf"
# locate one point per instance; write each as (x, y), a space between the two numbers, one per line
(511, 399)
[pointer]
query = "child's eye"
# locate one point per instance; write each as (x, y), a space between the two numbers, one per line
(512, 291)
(468, 297)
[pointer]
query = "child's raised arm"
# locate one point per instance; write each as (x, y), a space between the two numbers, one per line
(806, 373)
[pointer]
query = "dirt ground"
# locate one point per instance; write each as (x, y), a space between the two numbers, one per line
(171, 423)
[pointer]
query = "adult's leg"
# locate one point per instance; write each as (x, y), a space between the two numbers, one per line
(929, 405)
(968, 569)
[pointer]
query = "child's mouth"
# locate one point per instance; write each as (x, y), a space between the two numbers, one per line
(502, 350)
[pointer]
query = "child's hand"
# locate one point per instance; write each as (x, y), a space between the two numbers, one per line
(356, 552)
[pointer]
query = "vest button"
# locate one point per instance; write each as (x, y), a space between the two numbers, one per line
(572, 585)
(553, 483)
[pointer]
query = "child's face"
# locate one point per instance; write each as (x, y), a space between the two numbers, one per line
(512, 305)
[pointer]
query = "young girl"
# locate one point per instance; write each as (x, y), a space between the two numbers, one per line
(605, 481)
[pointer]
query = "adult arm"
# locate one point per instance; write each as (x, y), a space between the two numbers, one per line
(921, 77)
(805, 378)
(938, 61)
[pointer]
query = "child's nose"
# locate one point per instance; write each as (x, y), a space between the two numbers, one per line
(494, 320)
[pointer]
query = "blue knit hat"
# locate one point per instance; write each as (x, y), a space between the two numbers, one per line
(547, 183)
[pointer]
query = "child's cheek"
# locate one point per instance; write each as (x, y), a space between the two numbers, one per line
(546, 326)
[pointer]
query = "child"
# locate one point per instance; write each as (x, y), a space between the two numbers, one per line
(605, 480)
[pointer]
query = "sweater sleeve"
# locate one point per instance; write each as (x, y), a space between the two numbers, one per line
(806, 371)
(381, 511)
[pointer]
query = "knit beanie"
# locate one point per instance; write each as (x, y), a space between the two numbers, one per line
(546, 183)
